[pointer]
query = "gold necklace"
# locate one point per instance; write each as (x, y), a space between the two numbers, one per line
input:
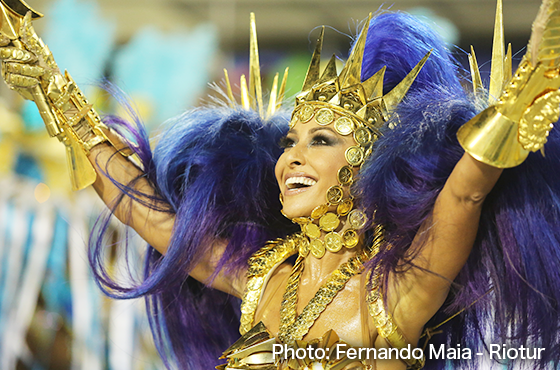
(294, 327)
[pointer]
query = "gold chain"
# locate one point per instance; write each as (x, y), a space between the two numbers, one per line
(294, 327)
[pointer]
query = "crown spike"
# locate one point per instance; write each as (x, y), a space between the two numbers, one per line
(373, 86)
(395, 96)
(231, 99)
(255, 86)
(245, 99)
(330, 71)
(314, 67)
(475, 73)
(352, 71)
(282, 89)
(497, 70)
(508, 72)
(272, 102)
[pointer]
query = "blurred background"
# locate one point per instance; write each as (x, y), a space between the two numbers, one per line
(163, 54)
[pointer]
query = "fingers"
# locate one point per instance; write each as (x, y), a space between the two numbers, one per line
(26, 28)
(18, 75)
(11, 53)
(29, 36)
(19, 81)
(544, 30)
(24, 69)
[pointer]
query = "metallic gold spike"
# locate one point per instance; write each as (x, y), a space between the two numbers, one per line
(255, 86)
(508, 68)
(352, 71)
(330, 71)
(257, 334)
(314, 67)
(231, 99)
(272, 102)
(497, 71)
(280, 97)
(395, 96)
(364, 102)
(373, 86)
(252, 96)
(477, 85)
(245, 99)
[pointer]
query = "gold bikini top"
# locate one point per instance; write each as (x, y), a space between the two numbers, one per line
(254, 349)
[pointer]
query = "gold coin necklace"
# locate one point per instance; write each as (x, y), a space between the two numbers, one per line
(294, 327)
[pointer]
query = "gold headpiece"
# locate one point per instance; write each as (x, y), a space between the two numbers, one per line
(354, 107)
(361, 104)
(252, 96)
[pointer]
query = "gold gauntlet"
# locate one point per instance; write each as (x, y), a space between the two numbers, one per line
(504, 134)
(28, 67)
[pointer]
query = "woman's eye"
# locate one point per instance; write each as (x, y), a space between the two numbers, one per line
(286, 142)
(321, 140)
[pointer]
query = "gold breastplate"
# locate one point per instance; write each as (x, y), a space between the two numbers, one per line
(255, 349)
(259, 350)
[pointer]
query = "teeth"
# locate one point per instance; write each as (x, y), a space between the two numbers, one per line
(292, 182)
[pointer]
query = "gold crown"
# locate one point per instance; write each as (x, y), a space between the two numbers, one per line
(346, 94)
(252, 95)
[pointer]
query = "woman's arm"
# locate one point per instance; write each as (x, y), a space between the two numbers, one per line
(150, 218)
(29, 68)
(444, 243)
(501, 136)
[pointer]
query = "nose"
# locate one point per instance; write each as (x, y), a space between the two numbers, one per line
(296, 155)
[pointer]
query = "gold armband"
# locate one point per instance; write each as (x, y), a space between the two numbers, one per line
(78, 126)
(504, 134)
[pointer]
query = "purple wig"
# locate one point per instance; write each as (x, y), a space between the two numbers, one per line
(215, 169)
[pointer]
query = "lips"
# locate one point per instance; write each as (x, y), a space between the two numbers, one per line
(297, 183)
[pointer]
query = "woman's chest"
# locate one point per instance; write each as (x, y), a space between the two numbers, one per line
(311, 307)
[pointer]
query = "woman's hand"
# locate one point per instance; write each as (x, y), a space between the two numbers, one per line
(19, 68)
(519, 123)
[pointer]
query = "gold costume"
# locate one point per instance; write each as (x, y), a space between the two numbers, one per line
(254, 350)
(501, 136)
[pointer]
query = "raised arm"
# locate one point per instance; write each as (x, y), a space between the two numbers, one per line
(499, 137)
(444, 243)
(94, 151)
(153, 223)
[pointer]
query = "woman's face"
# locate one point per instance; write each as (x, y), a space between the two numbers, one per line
(312, 156)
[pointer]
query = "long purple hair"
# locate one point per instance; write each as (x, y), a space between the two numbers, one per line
(214, 168)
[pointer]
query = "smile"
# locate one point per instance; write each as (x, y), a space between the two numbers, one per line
(299, 182)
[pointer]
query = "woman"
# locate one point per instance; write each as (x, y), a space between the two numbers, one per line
(206, 205)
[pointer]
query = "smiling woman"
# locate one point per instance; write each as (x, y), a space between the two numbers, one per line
(400, 228)
(306, 170)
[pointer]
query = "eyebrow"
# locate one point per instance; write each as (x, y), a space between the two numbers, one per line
(313, 130)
